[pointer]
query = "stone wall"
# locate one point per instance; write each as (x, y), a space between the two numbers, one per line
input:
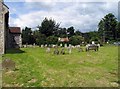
(1, 29)
(3, 11)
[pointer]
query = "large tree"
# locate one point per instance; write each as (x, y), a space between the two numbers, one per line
(76, 40)
(48, 27)
(107, 27)
(27, 36)
(70, 31)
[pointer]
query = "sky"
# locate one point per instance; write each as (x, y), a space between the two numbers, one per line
(83, 16)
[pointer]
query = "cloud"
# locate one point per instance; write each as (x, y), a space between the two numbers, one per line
(84, 16)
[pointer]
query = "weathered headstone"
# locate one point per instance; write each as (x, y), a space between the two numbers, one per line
(61, 45)
(48, 50)
(42, 46)
(69, 50)
(80, 49)
(70, 45)
(46, 45)
(56, 51)
(65, 46)
(62, 51)
(93, 42)
(8, 64)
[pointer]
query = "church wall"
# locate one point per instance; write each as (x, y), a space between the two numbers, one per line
(1, 29)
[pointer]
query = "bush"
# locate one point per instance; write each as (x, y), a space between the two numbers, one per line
(76, 40)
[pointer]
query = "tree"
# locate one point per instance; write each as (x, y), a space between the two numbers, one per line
(27, 36)
(107, 27)
(70, 31)
(52, 40)
(41, 39)
(101, 31)
(76, 40)
(78, 33)
(62, 32)
(48, 27)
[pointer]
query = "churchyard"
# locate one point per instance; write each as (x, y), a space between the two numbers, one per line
(40, 67)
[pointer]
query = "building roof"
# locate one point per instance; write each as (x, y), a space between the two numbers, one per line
(15, 30)
(63, 39)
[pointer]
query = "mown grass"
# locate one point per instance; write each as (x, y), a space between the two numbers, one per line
(35, 67)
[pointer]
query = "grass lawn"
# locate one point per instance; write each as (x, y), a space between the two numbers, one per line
(35, 67)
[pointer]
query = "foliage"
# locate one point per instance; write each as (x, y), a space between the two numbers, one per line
(78, 33)
(70, 31)
(76, 40)
(27, 36)
(52, 40)
(107, 28)
(40, 39)
(49, 31)
(48, 27)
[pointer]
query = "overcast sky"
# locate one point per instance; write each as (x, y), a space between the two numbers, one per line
(83, 16)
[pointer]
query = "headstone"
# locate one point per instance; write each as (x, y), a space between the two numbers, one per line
(48, 50)
(34, 45)
(45, 45)
(65, 46)
(53, 46)
(63, 51)
(93, 42)
(61, 45)
(56, 51)
(98, 45)
(42, 46)
(80, 50)
(8, 64)
(70, 45)
(69, 50)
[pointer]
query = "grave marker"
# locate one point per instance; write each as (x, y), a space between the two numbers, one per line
(8, 64)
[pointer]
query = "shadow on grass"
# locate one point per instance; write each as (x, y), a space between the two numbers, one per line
(14, 51)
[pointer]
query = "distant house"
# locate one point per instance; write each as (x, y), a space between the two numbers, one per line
(63, 39)
(14, 37)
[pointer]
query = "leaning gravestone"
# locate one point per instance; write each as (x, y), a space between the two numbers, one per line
(8, 64)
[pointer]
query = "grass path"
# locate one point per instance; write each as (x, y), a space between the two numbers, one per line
(85, 69)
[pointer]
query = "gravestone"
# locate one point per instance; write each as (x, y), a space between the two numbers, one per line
(48, 50)
(70, 45)
(8, 64)
(69, 50)
(93, 42)
(65, 46)
(61, 45)
(80, 49)
(46, 45)
(42, 46)
(56, 51)
(63, 51)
